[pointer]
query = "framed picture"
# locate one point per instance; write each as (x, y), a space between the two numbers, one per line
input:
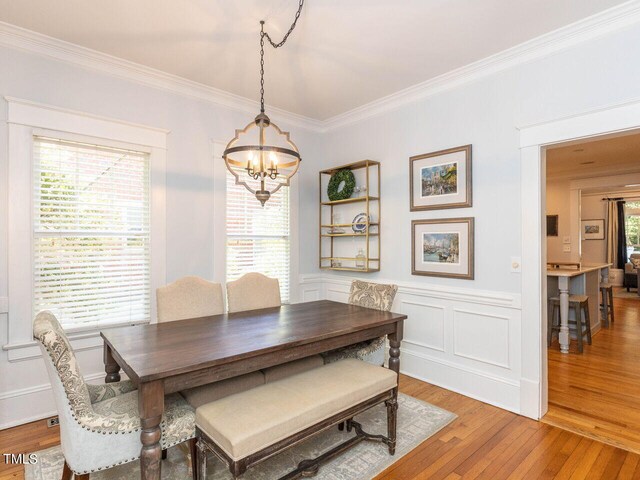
(442, 248)
(593, 229)
(441, 179)
(552, 225)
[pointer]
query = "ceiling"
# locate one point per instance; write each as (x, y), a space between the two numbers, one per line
(343, 54)
(607, 156)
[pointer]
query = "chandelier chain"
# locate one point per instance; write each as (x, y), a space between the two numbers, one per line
(264, 34)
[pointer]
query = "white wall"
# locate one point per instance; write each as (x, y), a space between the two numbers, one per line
(464, 335)
(558, 203)
(592, 208)
(487, 114)
(24, 392)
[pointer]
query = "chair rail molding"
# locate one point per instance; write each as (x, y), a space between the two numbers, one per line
(461, 339)
(608, 120)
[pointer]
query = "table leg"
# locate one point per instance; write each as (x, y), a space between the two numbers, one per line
(563, 335)
(151, 407)
(111, 367)
(394, 347)
(394, 364)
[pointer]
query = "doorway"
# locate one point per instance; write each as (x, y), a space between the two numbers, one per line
(592, 193)
(534, 140)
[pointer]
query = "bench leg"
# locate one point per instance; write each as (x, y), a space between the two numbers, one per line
(201, 454)
(237, 468)
(392, 420)
(193, 453)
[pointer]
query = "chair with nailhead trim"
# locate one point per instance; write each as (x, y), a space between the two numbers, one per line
(99, 424)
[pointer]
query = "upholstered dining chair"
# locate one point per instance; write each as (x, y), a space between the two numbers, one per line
(369, 295)
(189, 297)
(253, 291)
(193, 297)
(99, 424)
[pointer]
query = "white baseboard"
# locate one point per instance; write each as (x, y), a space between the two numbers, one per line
(30, 404)
(501, 392)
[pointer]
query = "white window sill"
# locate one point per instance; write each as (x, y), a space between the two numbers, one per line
(82, 338)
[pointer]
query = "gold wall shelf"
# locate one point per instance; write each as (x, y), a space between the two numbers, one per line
(337, 250)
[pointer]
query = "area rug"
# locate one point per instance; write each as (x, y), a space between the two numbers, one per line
(417, 421)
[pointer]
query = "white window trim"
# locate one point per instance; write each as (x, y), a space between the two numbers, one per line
(220, 223)
(24, 120)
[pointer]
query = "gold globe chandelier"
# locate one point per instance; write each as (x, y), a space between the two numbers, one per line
(261, 156)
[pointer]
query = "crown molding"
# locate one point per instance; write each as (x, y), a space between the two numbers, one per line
(20, 38)
(611, 20)
(607, 21)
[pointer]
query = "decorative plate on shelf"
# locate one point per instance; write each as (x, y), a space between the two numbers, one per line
(360, 223)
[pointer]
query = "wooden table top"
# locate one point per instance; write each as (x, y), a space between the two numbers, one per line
(157, 351)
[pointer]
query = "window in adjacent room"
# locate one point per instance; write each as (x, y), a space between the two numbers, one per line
(632, 225)
(91, 233)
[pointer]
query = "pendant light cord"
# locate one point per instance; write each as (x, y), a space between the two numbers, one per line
(264, 35)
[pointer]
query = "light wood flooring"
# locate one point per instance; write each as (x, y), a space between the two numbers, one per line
(597, 393)
(484, 442)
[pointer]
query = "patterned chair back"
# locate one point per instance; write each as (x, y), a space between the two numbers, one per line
(59, 357)
(372, 295)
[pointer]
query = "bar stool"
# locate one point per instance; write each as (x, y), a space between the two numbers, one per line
(580, 305)
(606, 292)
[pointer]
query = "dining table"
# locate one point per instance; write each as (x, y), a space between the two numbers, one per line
(162, 358)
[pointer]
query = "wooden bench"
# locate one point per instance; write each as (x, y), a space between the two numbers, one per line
(251, 426)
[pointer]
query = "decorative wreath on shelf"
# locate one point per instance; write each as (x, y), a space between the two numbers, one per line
(341, 185)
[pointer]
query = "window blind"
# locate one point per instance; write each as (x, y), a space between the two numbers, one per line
(91, 233)
(258, 237)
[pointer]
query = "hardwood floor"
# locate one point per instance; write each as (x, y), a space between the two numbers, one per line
(598, 393)
(484, 442)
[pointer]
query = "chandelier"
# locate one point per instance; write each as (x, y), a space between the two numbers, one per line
(261, 156)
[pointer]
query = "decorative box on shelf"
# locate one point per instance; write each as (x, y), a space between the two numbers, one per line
(350, 217)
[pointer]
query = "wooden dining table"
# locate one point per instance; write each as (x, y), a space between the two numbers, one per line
(169, 357)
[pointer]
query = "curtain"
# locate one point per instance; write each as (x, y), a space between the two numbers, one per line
(621, 244)
(616, 235)
(612, 233)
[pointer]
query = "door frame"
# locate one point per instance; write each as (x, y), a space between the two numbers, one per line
(534, 140)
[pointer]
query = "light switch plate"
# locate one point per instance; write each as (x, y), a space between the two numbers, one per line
(566, 248)
(566, 239)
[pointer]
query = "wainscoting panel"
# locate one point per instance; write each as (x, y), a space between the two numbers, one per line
(463, 340)
(426, 323)
(470, 326)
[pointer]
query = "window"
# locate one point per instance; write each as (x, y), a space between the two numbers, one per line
(91, 233)
(258, 238)
(632, 225)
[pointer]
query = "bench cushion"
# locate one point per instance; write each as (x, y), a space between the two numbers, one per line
(215, 391)
(279, 372)
(250, 421)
